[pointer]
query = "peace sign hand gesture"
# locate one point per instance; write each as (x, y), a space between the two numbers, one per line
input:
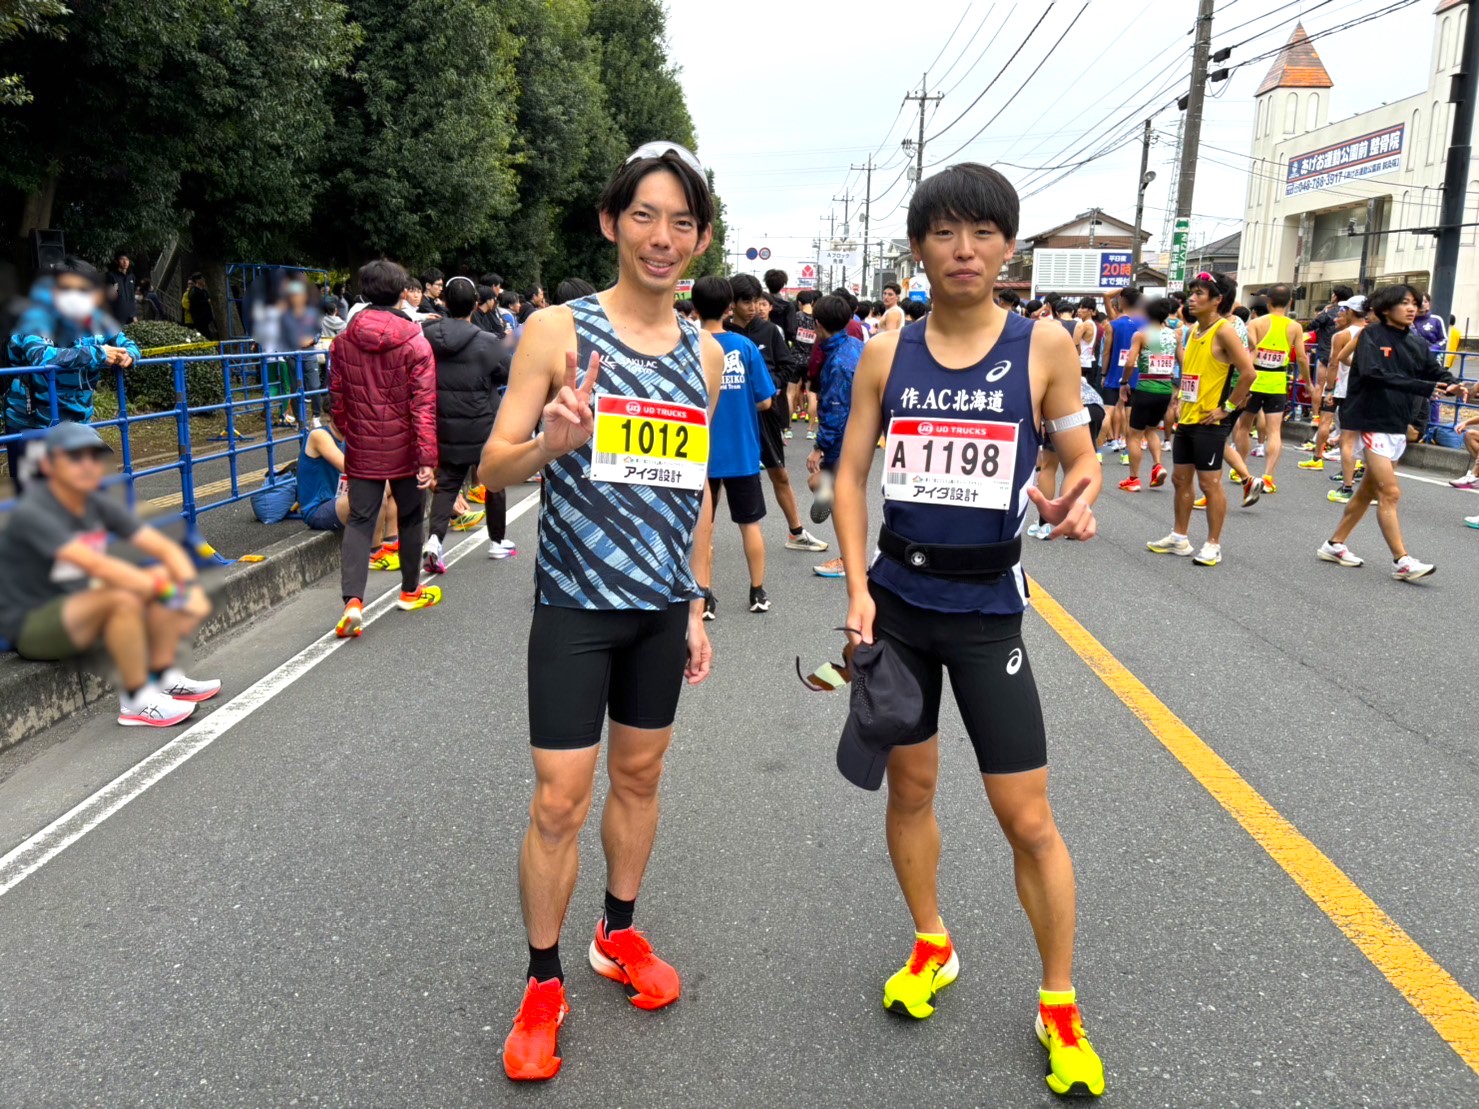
(1070, 515)
(569, 420)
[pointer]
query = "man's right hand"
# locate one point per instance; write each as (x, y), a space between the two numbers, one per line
(569, 421)
(117, 356)
(862, 610)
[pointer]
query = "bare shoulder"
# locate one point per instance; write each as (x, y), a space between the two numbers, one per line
(550, 324)
(879, 350)
(1049, 337)
(708, 346)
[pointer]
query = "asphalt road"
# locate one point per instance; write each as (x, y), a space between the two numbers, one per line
(320, 908)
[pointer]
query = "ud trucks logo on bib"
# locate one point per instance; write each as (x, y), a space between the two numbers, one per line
(634, 409)
(645, 442)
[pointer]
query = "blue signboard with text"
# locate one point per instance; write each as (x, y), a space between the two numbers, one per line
(1115, 269)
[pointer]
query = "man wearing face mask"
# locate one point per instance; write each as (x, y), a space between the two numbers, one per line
(66, 332)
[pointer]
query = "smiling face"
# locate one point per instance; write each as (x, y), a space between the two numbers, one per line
(962, 260)
(656, 236)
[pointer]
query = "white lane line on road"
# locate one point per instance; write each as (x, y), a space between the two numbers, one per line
(38, 850)
(1405, 475)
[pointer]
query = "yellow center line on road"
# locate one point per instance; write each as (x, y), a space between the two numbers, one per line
(1432, 991)
(210, 489)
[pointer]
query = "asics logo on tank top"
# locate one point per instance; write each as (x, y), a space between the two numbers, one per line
(999, 371)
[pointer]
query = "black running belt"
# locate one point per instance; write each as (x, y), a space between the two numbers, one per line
(979, 562)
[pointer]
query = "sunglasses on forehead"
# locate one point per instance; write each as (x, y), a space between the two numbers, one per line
(658, 149)
(1204, 276)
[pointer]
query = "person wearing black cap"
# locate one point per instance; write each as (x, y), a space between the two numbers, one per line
(967, 395)
(55, 546)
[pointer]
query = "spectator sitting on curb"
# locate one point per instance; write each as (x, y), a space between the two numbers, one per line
(65, 331)
(54, 549)
(323, 490)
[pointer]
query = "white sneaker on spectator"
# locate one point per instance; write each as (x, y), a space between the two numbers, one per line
(174, 683)
(806, 541)
(1209, 555)
(151, 708)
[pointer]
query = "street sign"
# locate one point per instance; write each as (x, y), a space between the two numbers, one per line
(1116, 269)
(765, 254)
(1176, 279)
(806, 282)
(808, 271)
(752, 254)
(844, 256)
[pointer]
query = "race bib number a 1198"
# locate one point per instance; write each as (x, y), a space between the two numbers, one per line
(965, 463)
(649, 442)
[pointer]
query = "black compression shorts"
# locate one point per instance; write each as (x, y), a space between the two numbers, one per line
(1274, 403)
(1147, 409)
(773, 423)
(586, 664)
(1200, 445)
(989, 675)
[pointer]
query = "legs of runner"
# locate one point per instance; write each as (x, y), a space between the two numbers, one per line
(1182, 475)
(1347, 457)
(629, 822)
(913, 833)
(1211, 483)
(1379, 485)
(550, 857)
(785, 496)
(1273, 442)
(754, 543)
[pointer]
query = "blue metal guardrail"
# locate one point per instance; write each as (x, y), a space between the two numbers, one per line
(247, 380)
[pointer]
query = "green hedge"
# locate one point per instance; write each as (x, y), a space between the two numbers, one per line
(152, 388)
(161, 333)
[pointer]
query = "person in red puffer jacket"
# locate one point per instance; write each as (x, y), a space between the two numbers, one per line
(382, 394)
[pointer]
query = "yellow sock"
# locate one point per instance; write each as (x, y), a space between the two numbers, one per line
(939, 939)
(1058, 997)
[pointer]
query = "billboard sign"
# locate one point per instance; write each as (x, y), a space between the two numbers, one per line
(1081, 270)
(1371, 153)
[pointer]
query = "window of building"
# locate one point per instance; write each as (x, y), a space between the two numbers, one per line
(1415, 136)
(1435, 132)
(1261, 128)
(1404, 213)
(1312, 115)
(1443, 43)
(1329, 240)
(1291, 113)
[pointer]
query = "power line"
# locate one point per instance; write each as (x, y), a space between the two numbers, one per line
(999, 72)
(946, 44)
(973, 37)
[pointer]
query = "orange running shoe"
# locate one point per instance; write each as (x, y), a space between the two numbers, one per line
(529, 1051)
(352, 623)
(478, 494)
(625, 956)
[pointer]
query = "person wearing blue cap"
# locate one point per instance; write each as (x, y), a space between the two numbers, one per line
(55, 548)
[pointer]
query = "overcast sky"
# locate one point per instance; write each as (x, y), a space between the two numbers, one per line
(783, 106)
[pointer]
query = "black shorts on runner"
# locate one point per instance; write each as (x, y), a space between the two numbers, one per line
(1272, 403)
(989, 675)
(586, 664)
(1147, 410)
(773, 423)
(1199, 445)
(1329, 403)
(746, 501)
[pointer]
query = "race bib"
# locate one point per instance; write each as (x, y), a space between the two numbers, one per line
(1124, 358)
(1162, 367)
(806, 334)
(966, 463)
(648, 442)
(1268, 359)
(1191, 385)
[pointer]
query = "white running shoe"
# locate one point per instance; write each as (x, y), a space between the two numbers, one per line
(806, 541)
(1468, 481)
(1173, 544)
(1337, 552)
(1408, 568)
(1209, 555)
(174, 683)
(502, 548)
(1331, 455)
(152, 708)
(1471, 521)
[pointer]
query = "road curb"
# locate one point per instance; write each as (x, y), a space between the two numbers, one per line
(36, 695)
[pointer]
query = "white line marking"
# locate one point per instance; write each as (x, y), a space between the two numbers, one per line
(1430, 481)
(39, 849)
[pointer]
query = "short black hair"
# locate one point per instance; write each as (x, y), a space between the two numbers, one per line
(508, 298)
(967, 191)
(1258, 306)
(1242, 313)
(1342, 292)
(1033, 307)
(1159, 310)
(895, 286)
(491, 279)
(808, 296)
(119, 254)
(775, 280)
(382, 282)
(196, 276)
(832, 312)
(865, 309)
(684, 307)
(621, 189)
(573, 288)
(1052, 298)
(712, 296)
(847, 295)
(916, 309)
(432, 276)
(460, 296)
(1088, 304)
(1129, 297)
(1009, 298)
(1388, 297)
(533, 292)
(1279, 295)
(73, 266)
(1064, 305)
(744, 286)
(485, 292)
(1219, 285)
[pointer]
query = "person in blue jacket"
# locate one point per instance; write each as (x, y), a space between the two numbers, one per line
(840, 354)
(65, 337)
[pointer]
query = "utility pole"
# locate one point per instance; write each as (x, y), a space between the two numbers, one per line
(924, 97)
(1451, 213)
(845, 200)
(1146, 177)
(1093, 223)
(1186, 180)
(867, 212)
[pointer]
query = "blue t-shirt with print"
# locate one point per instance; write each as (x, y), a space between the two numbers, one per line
(734, 435)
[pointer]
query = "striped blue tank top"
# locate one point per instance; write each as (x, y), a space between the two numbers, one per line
(605, 545)
(997, 389)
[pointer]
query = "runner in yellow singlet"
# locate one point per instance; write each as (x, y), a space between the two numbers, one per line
(1212, 351)
(1277, 341)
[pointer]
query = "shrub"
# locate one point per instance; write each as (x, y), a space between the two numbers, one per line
(149, 334)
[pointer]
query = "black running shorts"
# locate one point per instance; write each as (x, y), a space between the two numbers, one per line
(746, 500)
(1147, 410)
(989, 675)
(1272, 403)
(1199, 445)
(586, 664)
(773, 423)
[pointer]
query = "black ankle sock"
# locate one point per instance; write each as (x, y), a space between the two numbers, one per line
(544, 963)
(618, 913)
(796, 531)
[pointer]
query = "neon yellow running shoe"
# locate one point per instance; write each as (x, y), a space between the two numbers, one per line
(390, 560)
(932, 966)
(1312, 464)
(424, 597)
(1074, 1069)
(469, 520)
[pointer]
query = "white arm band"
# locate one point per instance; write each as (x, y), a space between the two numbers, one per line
(1064, 423)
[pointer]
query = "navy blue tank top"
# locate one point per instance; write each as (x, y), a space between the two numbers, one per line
(608, 545)
(926, 396)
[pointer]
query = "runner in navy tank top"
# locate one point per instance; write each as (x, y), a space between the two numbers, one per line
(961, 396)
(618, 618)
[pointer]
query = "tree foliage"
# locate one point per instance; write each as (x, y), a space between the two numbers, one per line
(26, 17)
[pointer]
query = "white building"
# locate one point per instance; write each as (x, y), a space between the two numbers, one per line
(1382, 168)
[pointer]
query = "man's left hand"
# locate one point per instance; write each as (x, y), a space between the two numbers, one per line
(1070, 514)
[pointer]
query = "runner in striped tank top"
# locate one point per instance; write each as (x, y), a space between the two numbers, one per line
(618, 618)
(962, 395)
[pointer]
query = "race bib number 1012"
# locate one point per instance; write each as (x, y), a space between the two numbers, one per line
(648, 442)
(965, 463)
